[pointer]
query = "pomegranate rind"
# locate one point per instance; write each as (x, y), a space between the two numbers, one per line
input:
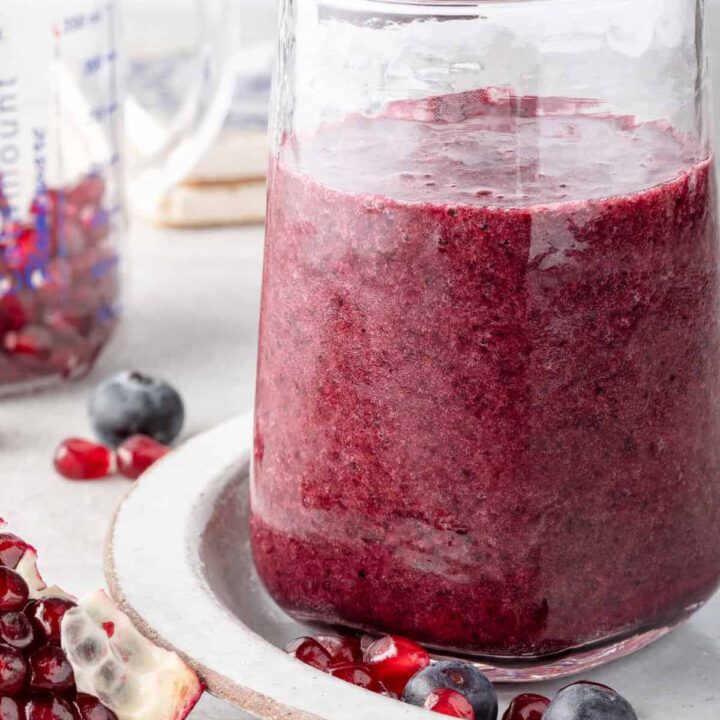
(124, 670)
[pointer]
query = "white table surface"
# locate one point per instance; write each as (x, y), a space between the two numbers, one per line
(192, 304)
(191, 312)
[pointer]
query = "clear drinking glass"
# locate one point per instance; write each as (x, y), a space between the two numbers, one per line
(489, 365)
(61, 173)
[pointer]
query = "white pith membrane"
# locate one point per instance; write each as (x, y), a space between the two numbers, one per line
(28, 570)
(113, 662)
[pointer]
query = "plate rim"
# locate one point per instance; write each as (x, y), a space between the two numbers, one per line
(334, 699)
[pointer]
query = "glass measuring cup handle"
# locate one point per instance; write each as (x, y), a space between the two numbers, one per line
(169, 156)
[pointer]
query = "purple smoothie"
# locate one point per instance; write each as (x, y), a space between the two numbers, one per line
(489, 374)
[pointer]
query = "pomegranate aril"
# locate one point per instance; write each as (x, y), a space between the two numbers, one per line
(311, 652)
(90, 708)
(71, 238)
(47, 614)
(89, 191)
(360, 675)
(13, 670)
(12, 548)
(450, 702)
(353, 673)
(16, 630)
(13, 590)
(341, 649)
(50, 669)
(366, 641)
(394, 660)
(95, 222)
(137, 454)
(21, 248)
(527, 706)
(71, 361)
(46, 706)
(52, 283)
(13, 315)
(78, 459)
(33, 341)
(11, 709)
(69, 325)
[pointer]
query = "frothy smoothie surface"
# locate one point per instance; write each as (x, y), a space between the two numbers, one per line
(489, 375)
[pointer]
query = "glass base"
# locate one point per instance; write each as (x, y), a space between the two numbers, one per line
(43, 382)
(570, 663)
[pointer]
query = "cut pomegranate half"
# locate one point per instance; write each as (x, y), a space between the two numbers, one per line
(21, 557)
(125, 671)
(92, 665)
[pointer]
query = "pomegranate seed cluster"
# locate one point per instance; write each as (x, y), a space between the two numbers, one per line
(67, 659)
(58, 284)
(36, 679)
(399, 668)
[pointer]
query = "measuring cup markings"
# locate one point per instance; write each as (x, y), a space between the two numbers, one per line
(95, 66)
(10, 154)
(61, 197)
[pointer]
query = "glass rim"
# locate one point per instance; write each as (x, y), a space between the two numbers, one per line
(447, 4)
(437, 7)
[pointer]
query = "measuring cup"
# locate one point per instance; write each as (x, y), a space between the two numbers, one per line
(61, 175)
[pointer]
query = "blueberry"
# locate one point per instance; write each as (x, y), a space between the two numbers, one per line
(460, 676)
(587, 701)
(130, 403)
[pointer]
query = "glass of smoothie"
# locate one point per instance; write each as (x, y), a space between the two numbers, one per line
(489, 367)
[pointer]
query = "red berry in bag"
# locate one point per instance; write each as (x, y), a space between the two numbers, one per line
(89, 191)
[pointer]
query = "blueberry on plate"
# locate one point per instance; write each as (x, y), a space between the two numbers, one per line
(454, 675)
(588, 701)
(131, 403)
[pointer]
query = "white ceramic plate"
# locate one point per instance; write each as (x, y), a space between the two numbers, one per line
(178, 562)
